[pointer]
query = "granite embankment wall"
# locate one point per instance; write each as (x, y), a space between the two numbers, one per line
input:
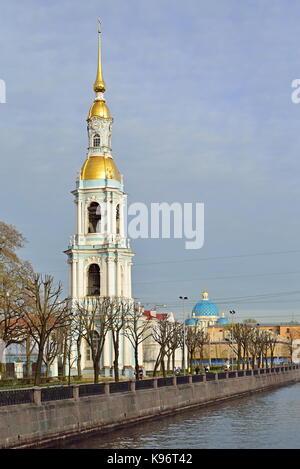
(43, 416)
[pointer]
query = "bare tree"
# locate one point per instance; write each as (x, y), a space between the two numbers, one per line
(51, 351)
(118, 311)
(196, 339)
(174, 343)
(270, 342)
(42, 312)
(254, 346)
(136, 329)
(91, 319)
(162, 333)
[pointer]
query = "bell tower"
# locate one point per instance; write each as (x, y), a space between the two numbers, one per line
(99, 254)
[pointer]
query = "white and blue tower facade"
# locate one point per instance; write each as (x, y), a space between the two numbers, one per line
(99, 253)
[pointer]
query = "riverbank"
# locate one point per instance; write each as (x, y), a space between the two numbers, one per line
(77, 414)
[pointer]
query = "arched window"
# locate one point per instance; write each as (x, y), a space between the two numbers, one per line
(94, 211)
(96, 140)
(94, 280)
(118, 219)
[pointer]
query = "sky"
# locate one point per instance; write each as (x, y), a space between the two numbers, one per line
(200, 93)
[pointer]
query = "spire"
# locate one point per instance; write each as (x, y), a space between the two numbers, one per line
(99, 85)
(99, 107)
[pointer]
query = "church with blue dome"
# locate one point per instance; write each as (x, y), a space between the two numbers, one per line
(205, 313)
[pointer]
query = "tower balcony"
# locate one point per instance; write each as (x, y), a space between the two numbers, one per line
(99, 239)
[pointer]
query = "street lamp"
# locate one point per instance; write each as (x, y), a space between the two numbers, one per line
(232, 313)
(183, 354)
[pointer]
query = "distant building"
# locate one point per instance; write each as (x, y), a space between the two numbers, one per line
(151, 348)
(205, 313)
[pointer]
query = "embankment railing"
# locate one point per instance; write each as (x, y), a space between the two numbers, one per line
(39, 395)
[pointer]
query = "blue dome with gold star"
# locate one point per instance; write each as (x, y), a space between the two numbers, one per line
(205, 307)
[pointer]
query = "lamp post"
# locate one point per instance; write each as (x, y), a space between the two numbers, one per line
(183, 352)
(232, 313)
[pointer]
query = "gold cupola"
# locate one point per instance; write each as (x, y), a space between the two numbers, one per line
(99, 107)
(99, 167)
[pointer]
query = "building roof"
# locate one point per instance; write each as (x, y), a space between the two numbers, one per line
(205, 307)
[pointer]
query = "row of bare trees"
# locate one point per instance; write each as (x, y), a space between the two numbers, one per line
(33, 313)
(251, 346)
(170, 337)
(94, 318)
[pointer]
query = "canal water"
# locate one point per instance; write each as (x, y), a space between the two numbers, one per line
(264, 420)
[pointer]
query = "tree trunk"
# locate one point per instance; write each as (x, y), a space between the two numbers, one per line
(28, 355)
(168, 363)
(162, 365)
(65, 357)
(79, 372)
(38, 370)
(48, 366)
(136, 358)
(156, 365)
(96, 371)
(173, 359)
(116, 362)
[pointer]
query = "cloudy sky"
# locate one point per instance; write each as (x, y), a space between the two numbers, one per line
(200, 93)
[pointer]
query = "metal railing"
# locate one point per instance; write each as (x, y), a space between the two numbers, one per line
(210, 376)
(165, 382)
(39, 395)
(91, 389)
(121, 386)
(182, 379)
(16, 396)
(144, 384)
(197, 378)
(56, 393)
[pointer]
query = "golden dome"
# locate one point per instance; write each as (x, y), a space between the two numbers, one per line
(99, 109)
(99, 167)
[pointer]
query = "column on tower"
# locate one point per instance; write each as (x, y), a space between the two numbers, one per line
(74, 278)
(122, 209)
(127, 363)
(107, 355)
(111, 279)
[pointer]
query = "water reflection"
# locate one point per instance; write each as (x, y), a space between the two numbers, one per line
(264, 420)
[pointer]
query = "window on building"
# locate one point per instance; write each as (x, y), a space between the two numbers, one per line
(118, 219)
(88, 354)
(94, 280)
(94, 213)
(96, 140)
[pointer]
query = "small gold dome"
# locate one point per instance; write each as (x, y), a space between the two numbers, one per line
(99, 167)
(99, 109)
